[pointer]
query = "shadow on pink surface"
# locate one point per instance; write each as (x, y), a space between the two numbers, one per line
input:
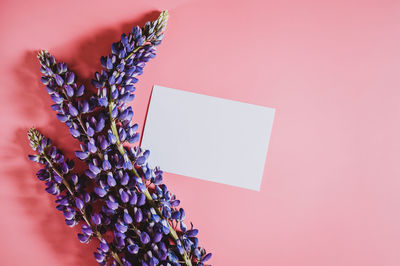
(82, 56)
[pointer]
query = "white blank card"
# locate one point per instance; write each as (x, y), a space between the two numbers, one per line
(206, 137)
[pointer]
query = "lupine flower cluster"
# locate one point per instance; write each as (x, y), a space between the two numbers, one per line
(118, 199)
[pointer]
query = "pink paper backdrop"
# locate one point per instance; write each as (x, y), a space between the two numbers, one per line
(330, 191)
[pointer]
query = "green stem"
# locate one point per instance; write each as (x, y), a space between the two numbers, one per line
(83, 212)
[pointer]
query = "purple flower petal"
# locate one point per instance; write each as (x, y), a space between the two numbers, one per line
(206, 257)
(90, 131)
(124, 195)
(157, 237)
(141, 160)
(125, 179)
(99, 191)
(100, 125)
(112, 204)
(106, 165)
(96, 170)
(127, 217)
(96, 219)
(62, 118)
(70, 223)
(70, 77)
(74, 132)
(69, 215)
(34, 158)
(121, 227)
(72, 110)
(138, 215)
(87, 230)
(79, 203)
(99, 257)
(133, 199)
(82, 155)
(141, 200)
(104, 246)
(91, 147)
(80, 90)
(133, 249)
(59, 80)
(192, 233)
(69, 90)
(144, 238)
(110, 180)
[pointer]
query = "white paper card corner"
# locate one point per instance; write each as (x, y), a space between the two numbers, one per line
(207, 137)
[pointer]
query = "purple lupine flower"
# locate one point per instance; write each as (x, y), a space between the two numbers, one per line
(71, 196)
(132, 203)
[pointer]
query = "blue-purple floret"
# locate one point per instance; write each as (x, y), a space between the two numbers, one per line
(127, 199)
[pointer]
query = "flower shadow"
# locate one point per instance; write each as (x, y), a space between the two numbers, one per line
(83, 58)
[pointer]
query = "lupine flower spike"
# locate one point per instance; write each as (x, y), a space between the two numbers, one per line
(119, 199)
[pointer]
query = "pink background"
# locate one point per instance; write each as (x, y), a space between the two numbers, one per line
(330, 193)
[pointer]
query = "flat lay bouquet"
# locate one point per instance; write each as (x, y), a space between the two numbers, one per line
(119, 200)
